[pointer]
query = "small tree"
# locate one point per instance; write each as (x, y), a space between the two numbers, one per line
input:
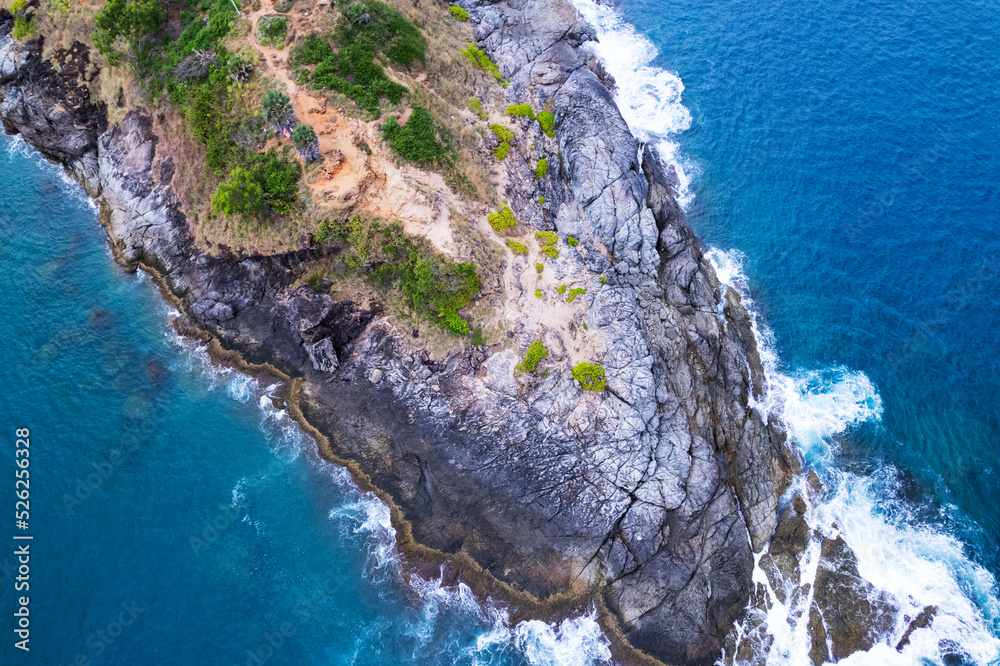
(306, 142)
(127, 21)
(278, 112)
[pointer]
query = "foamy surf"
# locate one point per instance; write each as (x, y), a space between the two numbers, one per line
(648, 96)
(916, 565)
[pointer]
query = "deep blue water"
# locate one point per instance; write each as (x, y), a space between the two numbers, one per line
(177, 517)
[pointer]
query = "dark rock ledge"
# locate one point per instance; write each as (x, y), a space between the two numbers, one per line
(649, 498)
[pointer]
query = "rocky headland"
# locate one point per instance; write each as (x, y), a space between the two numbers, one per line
(649, 498)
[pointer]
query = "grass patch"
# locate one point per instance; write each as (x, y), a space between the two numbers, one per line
(519, 249)
(547, 121)
(538, 293)
(521, 111)
(574, 292)
(363, 31)
(480, 60)
(539, 267)
(547, 243)
(503, 220)
(602, 280)
(542, 168)
(477, 108)
(590, 376)
(418, 141)
(561, 289)
(459, 13)
(272, 30)
(505, 136)
(535, 354)
(571, 241)
(541, 200)
(430, 285)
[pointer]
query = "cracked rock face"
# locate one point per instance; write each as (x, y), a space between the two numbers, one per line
(653, 494)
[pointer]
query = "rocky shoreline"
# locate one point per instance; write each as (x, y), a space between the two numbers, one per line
(650, 498)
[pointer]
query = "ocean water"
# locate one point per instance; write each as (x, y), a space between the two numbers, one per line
(178, 517)
(839, 157)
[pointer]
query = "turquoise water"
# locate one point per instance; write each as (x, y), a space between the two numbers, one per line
(840, 157)
(177, 517)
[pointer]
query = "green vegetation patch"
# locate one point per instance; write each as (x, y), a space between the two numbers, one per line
(364, 30)
(477, 108)
(503, 220)
(519, 249)
(547, 121)
(272, 30)
(574, 292)
(602, 280)
(266, 184)
(418, 141)
(431, 286)
(547, 243)
(562, 289)
(571, 241)
(521, 111)
(539, 267)
(482, 61)
(535, 354)
(541, 200)
(306, 141)
(459, 13)
(538, 293)
(24, 26)
(505, 136)
(590, 376)
(542, 168)
(123, 22)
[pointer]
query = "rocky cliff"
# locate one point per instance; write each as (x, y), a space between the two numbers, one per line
(652, 495)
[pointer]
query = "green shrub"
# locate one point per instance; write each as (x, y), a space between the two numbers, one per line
(602, 280)
(459, 13)
(542, 168)
(574, 292)
(518, 248)
(431, 286)
(478, 339)
(371, 27)
(562, 289)
(24, 27)
(306, 142)
(271, 30)
(539, 267)
(502, 133)
(538, 293)
(503, 220)
(535, 354)
(364, 30)
(541, 200)
(572, 242)
(418, 140)
(505, 136)
(277, 109)
(477, 108)
(590, 376)
(125, 20)
(521, 111)
(547, 121)
(547, 243)
(482, 61)
(313, 50)
(266, 184)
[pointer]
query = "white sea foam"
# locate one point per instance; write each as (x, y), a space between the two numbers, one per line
(576, 641)
(648, 96)
(916, 565)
